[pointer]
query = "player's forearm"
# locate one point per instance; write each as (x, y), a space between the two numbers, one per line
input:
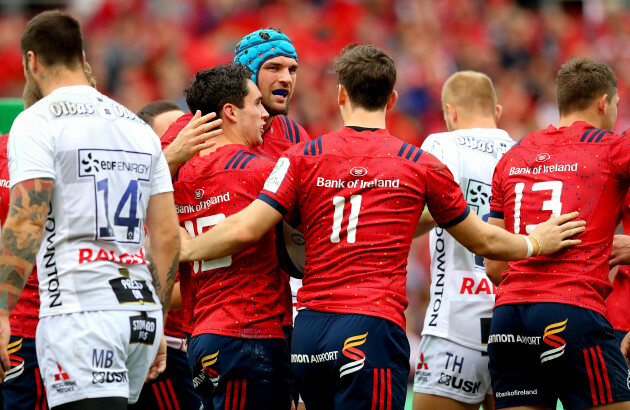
(223, 239)
(22, 237)
(500, 245)
(172, 159)
(495, 269)
(163, 256)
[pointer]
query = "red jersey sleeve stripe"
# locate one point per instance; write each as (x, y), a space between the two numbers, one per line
(289, 133)
(296, 130)
(247, 160)
(457, 220)
(233, 158)
(601, 135)
(497, 214)
(272, 203)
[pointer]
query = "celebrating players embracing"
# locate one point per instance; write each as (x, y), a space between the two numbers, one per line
(359, 192)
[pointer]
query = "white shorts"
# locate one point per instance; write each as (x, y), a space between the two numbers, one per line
(447, 369)
(97, 354)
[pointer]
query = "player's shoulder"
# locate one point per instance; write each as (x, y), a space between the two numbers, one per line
(236, 157)
(290, 130)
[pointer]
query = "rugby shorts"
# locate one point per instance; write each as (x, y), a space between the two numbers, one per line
(349, 361)
(544, 352)
(172, 389)
(238, 373)
(97, 353)
(447, 369)
(23, 388)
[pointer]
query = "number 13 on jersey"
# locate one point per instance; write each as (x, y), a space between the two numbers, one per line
(552, 204)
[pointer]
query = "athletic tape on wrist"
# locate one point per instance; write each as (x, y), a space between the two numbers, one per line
(530, 247)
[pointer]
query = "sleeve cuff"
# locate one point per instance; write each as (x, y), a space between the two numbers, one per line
(497, 215)
(272, 203)
(457, 220)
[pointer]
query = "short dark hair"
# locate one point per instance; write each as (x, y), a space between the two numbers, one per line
(155, 108)
(368, 74)
(212, 88)
(581, 81)
(55, 38)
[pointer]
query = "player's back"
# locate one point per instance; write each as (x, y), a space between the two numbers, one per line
(462, 296)
(360, 193)
(237, 295)
(557, 171)
(106, 164)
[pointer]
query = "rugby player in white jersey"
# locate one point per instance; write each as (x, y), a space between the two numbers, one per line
(452, 364)
(86, 175)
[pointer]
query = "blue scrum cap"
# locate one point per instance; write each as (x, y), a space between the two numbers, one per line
(262, 45)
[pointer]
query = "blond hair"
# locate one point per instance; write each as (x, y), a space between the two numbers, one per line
(471, 92)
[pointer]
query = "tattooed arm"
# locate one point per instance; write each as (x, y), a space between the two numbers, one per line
(162, 251)
(21, 238)
(163, 247)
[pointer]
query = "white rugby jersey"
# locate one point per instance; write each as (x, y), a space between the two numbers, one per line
(462, 296)
(106, 163)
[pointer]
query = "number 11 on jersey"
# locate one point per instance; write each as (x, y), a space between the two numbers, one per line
(340, 202)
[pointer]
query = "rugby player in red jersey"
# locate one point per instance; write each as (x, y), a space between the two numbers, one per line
(359, 192)
(549, 318)
(174, 387)
(274, 63)
(237, 350)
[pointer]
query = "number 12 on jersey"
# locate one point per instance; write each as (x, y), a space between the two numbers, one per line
(202, 223)
(553, 204)
(340, 202)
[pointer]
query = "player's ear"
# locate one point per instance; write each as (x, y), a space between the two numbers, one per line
(498, 110)
(31, 61)
(601, 103)
(392, 100)
(451, 112)
(342, 95)
(228, 113)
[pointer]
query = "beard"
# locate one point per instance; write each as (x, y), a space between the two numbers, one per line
(32, 91)
(274, 108)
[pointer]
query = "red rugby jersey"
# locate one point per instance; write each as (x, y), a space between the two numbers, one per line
(25, 315)
(238, 295)
(360, 194)
(576, 168)
(281, 135)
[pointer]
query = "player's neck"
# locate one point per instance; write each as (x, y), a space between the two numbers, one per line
(50, 80)
(359, 117)
(477, 122)
(227, 138)
(587, 116)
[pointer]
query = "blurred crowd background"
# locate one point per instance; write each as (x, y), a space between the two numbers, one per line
(144, 50)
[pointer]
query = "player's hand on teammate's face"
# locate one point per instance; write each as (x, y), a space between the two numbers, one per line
(5, 335)
(620, 254)
(159, 364)
(196, 136)
(556, 232)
